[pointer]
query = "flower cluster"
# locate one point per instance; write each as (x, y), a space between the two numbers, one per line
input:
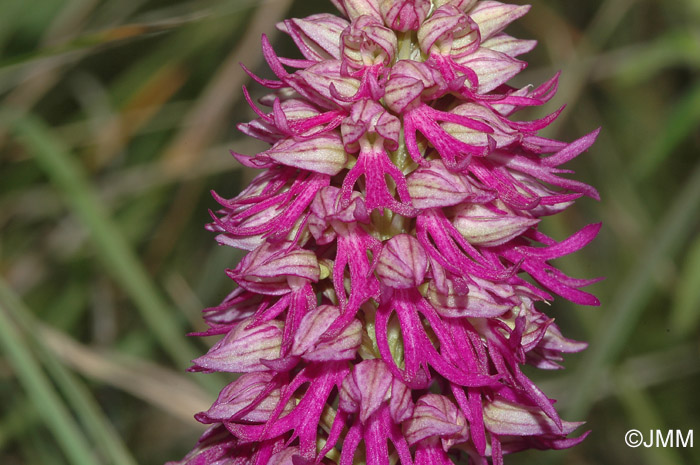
(388, 299)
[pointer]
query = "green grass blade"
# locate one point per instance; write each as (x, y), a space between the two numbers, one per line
(78, 396)
(628, 303)
(39, 389)
(685, 313)
(644, 415)
(18, 421)
(111, 246)
(683, 120)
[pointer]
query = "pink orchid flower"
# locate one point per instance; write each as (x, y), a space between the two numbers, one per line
(395, 272)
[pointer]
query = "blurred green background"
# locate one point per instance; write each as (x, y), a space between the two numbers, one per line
(115, 121)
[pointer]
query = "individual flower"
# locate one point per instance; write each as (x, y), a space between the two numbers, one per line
(395, 270)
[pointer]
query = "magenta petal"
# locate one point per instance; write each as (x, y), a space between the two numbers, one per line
(492, 17)
(433, 185)
(572, 150)
(488, 226)
(374, 164)
(242, 348)
(308, 345)
(276, 269)
(436, 415)
(430, 452)
(367, 387)
(508, 418)
(404, 15)
(353, 9)
(402, 263)
(252, 397)
(316, 36)
(509, 45)
(322, 154)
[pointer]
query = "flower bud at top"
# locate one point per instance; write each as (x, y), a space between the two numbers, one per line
(353, 9)
(404, 15)
(367, 42)
(448, 32)
(464, 5)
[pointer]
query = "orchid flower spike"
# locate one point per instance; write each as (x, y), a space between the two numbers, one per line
(395, 271)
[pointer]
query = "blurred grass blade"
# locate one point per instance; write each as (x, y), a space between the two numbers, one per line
(79, 397)
(683, 120)
(643, 414)
(208, 115)
(675, 48)
(685, 313)
(627, 305)
(48, 403)
(110, 245)
(90, 41)
(21, 419)
(173, 393)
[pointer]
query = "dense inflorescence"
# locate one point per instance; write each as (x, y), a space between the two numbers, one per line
(388, 298)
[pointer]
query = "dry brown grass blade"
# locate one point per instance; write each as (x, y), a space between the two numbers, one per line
(169, 391)
(41, 77)
(205, 120)
(208, 116)
(145, 103)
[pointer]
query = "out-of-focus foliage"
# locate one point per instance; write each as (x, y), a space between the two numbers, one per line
(115, 121)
